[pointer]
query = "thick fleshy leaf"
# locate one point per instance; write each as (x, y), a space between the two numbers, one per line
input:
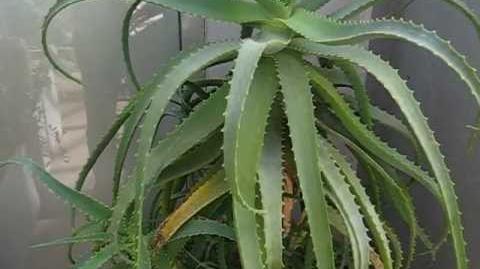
(270, 179)
(200, 227)
(251, 95)
(369, 139)
(372, 218)
(84, 203)
(346, 205)
(180, 69)
(212, 188)
(400, 198)
(153, 104)
(300, 114)
(277, 8)
(238, 11)
(410, 108)
(195, 159)
(96, 237)
(360, 91)
(97, 260)
(325, 30)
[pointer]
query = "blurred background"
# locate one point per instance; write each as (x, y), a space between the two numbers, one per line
(57, 122)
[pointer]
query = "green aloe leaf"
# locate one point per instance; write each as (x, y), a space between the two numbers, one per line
(100, 258)
(180, 69)
(325, 30)
(399, 91)
(95, 237)
(251, 95)
(195, 159)
(209, 190)
(270, 179)
(238, 11)
(400, 198)
(84, 203)
(56, 9)
(126, 43)
(372, 218)
(346, 205)
(369, 139)
(300, 115)
(276, 7)
(200, 227)
(361, 95)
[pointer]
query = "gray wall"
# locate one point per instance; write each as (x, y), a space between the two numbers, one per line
(449, 106)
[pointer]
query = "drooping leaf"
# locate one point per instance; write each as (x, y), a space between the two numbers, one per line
(154, 100)
(209, 190)
(56, 9)
(126, 43)
(201, 227)
(97, 260)
(195, 159)
(372, 218)
(84, 203)
(346, 205)
(361, 95)
(369, 140)
(325, 30)
(276, 7)
(251, 95)
(299, 109)
(96, 237)
(238, 11)
(398, 195)
(270, 179)
(181, 68)
(410, 108)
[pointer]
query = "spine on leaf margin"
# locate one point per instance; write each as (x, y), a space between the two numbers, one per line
(399, 91)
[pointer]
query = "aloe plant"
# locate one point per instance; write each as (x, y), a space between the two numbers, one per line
(259, 173)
